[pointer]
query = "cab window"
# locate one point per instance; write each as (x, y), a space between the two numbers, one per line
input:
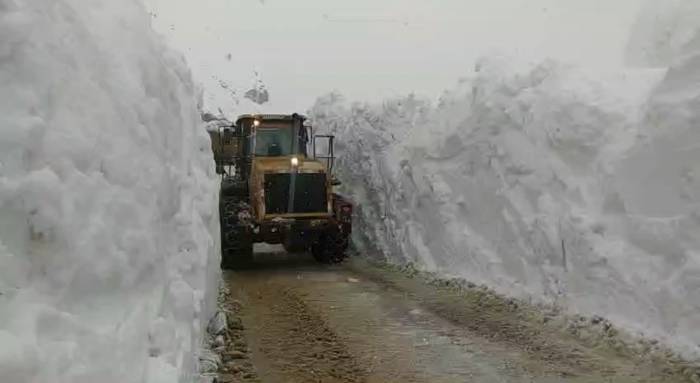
(273, 142)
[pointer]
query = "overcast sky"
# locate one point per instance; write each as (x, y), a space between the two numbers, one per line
(372, 49)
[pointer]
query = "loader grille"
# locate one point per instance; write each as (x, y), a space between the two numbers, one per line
(308, 191)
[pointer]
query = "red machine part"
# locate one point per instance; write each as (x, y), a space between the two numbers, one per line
(342, 210)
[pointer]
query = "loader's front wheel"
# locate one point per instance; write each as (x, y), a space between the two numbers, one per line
(237, 250)
(331, 246)
(236, 242)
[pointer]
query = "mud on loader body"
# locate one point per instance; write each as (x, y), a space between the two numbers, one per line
(277, 189)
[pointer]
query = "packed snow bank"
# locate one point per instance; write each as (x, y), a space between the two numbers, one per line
(545, 183)
(107, 198)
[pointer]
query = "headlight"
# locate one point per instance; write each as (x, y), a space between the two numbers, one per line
(256, 123)
(295, 161)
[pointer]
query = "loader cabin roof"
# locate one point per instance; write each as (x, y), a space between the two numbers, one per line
(269, 117)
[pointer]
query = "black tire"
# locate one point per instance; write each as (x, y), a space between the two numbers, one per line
(236, 242)
(237, 257)
(295, 248)
(295, 243)
(331, 246)
(233, 187)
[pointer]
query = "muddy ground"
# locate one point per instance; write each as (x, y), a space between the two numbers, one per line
(292, 320)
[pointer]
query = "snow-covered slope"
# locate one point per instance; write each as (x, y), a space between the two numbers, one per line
(546, 183)
(107, 198)
(662, 32)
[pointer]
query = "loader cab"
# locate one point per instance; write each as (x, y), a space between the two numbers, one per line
(284, 140)
(275, 135)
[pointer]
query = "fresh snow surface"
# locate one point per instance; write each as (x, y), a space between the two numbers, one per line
(547, 183)
(108, 266)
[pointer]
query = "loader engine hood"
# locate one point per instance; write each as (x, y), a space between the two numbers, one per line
(290, 187)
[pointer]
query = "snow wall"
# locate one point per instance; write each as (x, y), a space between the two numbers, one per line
(543, 182)
(108, 265)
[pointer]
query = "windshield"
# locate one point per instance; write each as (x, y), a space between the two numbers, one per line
(273, 142)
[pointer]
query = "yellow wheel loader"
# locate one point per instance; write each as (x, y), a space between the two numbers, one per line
(277, 187)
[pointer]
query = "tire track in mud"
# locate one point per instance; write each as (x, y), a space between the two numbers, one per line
(289, 341)
(360, 323)
(574, 348)
(312, 323)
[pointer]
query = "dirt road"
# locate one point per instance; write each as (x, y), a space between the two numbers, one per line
(304, 322)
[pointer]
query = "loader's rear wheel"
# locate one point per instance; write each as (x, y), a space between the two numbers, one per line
(236, 242)
(233, 187)
(331, 246)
